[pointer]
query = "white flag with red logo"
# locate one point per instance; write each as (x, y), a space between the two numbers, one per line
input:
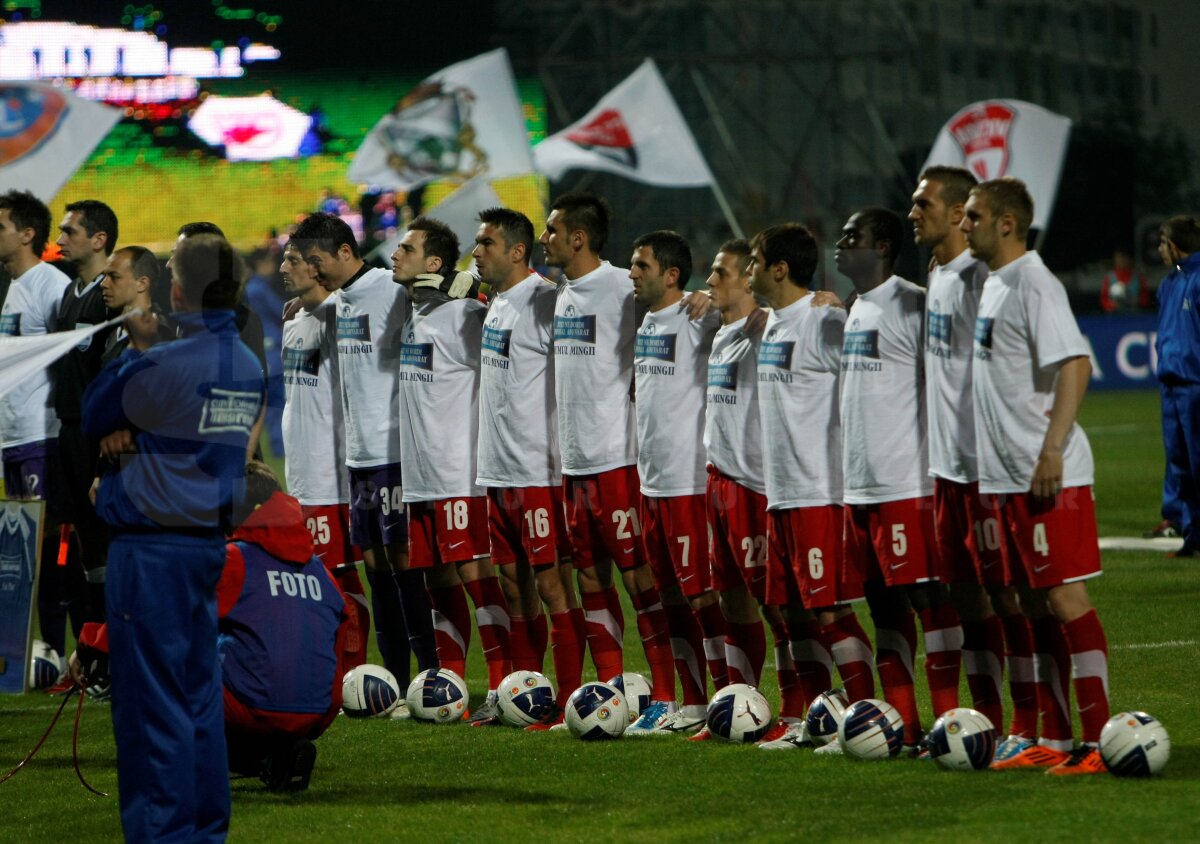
(636, 131)
(994, 138)
(46, 133)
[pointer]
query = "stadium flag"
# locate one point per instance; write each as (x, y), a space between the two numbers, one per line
(20, 357)
(46, 133)
(460, 211)
(994, 138)
(463, 121)
(635, 130)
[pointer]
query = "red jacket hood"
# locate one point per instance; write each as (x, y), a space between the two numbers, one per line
(277, 526)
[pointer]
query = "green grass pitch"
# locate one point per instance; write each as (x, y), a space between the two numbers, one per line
(386, 781)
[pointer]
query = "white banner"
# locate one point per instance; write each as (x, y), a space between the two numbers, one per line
(20, 357)
(250, 128)
(46, 133)
(460, 211)
(463, 121)
(994, 138)
(636, 130)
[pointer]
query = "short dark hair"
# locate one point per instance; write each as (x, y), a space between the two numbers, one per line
(793, 244)
(326, 232)
(586, 212)
(670, 249)
(514, 225)
(440, 241)
(1183, 231)
(956, 182)
(28, 212)
(143, 262)
(200, 227)
(738, 246)
(97, 217)
(210, 271)
(886, 226)
(261, 484)
(1008, 196)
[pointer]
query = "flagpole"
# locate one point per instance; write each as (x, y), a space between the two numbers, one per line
(714, 115)
(726, 209)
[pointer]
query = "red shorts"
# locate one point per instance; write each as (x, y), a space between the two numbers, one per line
(675, 538)
(891, 542)
(527, 523)
(1051, 543)
(737, 523)
(970, 541)
(804, 558)
(329, 525)
(261, 722)
(452, 530)
(602, 516)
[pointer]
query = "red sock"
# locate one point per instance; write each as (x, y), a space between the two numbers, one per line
(612, 602)
(580, 633)
(814, 665)
(851, 650)
(603, 636)
(1052, 660)
(894, 648)
(539, 636)
(983, 654)
(745, 651)
(1022, 675)
(713, 628)
(359, 610)
(491, 617)
(785, 671)
(524, 657)
(451, 627)
(943, 638)
(568, 658)
(688, 649)
(652, 625)
(1089, 664)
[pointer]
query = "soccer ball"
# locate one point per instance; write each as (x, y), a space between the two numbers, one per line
(825, 716)
(437, 695)
(45, 666)
(525, 697)
(962, 740)
(369, 691)
(596, 712)
(636, 690)
(1134, 744)
(739, 713)
(871, 729)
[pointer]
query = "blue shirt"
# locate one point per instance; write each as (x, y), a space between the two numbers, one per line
(190, 404)
(1178, 343)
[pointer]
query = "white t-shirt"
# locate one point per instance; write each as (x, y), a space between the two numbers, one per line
(30, 309)
(439, 399)
(951, 306)
(594, 328)
(884, 455)
(670, 369)
(518, 424)
(371, 314)
(732, 429)
(312, 410)
(1024, 332)
(799, 359)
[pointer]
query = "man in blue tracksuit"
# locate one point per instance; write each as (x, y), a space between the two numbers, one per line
(178, 417)
(1178, 348)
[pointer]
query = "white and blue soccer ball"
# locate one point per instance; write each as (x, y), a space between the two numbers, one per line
(438, 696)
(962, 740)
(825, 716)
(45, 666)
(525, 698)
(871, 729)
(597, 712)
(636, 689)
(1135, 744)
(369, 691)
(739, 713)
